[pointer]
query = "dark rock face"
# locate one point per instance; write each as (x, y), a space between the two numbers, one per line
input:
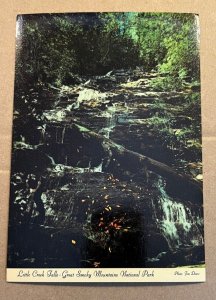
(30, 160)
(71, 206)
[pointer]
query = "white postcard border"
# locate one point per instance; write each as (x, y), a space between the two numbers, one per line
(88, 275)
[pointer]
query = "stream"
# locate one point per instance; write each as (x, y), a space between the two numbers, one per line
(96, 214)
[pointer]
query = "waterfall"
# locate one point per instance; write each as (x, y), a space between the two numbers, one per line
(55, 115)
(76, 105)
(175, 220)
(126, 107)
(99, 168)
(42, 128)
(70, 106)
(43, 131)
(89, 169)
(110, 114)
(63, 167)
(51, 159)
(63, 134)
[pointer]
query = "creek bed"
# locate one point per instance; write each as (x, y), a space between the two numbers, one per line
(67, 209)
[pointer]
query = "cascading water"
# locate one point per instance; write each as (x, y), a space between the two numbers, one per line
(75, 193)
(111, 116)
(175, 220)
(57, 167)
(63, 134)
(42, 128)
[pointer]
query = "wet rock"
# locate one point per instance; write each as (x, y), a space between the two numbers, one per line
(29, 161)
(97, 213)
(156, 243)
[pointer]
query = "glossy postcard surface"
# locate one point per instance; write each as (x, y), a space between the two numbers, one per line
(106, 173)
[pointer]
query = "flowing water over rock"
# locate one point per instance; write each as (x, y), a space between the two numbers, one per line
(73, 206)
(176, 220)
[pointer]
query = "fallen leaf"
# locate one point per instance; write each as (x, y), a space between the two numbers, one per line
(96, 264)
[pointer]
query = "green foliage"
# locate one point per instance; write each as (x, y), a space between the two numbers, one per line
(176, 135)
(46, 51)
(146, 30)
(167, 83)
(182, 52)
(168, 42)
(54, 47)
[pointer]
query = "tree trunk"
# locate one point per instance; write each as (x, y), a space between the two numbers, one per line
(180, 185)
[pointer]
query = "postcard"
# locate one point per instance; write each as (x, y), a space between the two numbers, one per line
(106, 167)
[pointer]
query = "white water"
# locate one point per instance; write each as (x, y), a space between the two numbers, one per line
(23, 145)
(87, 95)
(110, 114)
(63, 167)
(63, 134)
(177, 223)
(99, 168)
(51, 159)
(42, 128)
(55, 115)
